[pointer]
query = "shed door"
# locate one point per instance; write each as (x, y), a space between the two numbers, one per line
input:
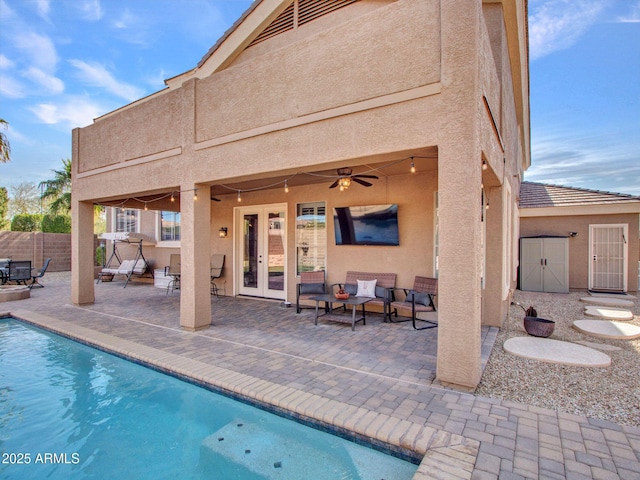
(556, 265)
(544, 265)
(608, 257)
(531, 265)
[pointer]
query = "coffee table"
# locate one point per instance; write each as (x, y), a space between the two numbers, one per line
(329, 300)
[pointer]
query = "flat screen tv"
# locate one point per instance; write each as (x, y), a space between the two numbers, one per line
(366, 225)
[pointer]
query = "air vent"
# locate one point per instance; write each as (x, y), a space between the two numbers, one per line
(307, 11)
(281, 24)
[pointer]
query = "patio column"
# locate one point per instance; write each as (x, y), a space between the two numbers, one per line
(496, 255)
(460, 198)
(82, 253)
(195, 251)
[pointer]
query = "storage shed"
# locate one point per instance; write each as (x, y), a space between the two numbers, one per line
(598, 232)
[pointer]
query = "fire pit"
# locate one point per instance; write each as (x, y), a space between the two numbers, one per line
(534, 325)
(539, 327)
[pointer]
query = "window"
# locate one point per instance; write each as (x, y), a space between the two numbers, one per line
(311, 237)
(127, 220)
(169, 226)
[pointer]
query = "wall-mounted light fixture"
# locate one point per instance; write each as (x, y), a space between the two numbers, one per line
(222, 232)
(573, 234)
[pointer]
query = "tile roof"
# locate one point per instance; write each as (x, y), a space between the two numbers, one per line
(539, 195)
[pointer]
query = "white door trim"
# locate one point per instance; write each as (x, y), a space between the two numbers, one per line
(263, 231)
(624, 243)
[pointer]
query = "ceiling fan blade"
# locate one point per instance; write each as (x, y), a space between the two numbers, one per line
(361, 182)
(364, 176)
(334, 184)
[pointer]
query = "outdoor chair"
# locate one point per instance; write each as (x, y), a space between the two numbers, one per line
(4, 269)
(418, 299)
(20, 271)
(311, 284)
(173, 270)
(217, 264)
(37, 273)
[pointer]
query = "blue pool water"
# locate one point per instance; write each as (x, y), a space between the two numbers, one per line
(68, 411)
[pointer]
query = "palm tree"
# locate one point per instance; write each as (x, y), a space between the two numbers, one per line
(58, 190)
(5, 148)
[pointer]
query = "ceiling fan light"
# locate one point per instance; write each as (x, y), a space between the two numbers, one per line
(344, 183)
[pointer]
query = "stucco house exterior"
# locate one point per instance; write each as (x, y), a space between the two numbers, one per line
(429, 96)
(598, 230)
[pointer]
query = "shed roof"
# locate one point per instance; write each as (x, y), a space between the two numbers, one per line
(540, 195)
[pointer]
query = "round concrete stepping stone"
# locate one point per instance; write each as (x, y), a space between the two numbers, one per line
(556, 351)
(607, 329)
(607, 301)
(608, 313)
(605, 347)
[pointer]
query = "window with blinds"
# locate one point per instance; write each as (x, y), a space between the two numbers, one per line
(311, 237)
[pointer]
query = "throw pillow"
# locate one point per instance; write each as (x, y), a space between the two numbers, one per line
(366, 288)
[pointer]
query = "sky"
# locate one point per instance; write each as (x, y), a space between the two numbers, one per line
(65, 62)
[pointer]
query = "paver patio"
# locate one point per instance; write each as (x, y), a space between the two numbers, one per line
(377, 381)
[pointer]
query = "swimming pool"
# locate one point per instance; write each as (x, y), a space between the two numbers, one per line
(70, 411)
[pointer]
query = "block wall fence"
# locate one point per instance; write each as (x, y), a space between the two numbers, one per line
(37, 246)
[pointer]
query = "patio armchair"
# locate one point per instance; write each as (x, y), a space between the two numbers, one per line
(311, 284)
(173, 270)
(37, 273)
(217, 264)
(418, 299)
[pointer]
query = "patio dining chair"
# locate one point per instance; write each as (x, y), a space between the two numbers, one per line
(311, 284)
(217, 264)
(173, 270)
(418, 299)
(37, 273)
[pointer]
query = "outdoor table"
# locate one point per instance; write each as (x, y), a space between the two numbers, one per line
(329, 300)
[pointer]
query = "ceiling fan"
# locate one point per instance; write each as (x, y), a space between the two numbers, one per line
(345, 177)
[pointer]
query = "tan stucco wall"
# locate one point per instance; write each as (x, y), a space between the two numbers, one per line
(579, 245)
(301, 78)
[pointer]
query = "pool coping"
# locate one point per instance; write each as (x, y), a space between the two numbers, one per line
(437, 451)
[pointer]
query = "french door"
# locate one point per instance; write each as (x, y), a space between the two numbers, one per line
(261, 251)
(608, 257)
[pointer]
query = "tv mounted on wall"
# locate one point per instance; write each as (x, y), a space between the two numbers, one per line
(366, 225)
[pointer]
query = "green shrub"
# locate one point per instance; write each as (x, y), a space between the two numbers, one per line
(26, 222)
(56, 223)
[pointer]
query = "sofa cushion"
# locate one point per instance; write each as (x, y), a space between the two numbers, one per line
(421, 298)
(308, 288)
(366, 288)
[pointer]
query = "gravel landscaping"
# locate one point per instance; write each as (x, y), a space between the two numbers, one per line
(610, 393)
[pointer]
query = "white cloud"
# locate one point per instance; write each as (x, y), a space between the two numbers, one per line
(38, 49)
(90, 10)
(97, 75)
(632, 16)
(125, 20)
(5, 11)
(558, 24)
(43, 7)
(51, 84)
(11, 88)
(73, 112)
(5, 63)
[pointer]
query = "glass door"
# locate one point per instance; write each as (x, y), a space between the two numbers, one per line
(262, 251)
